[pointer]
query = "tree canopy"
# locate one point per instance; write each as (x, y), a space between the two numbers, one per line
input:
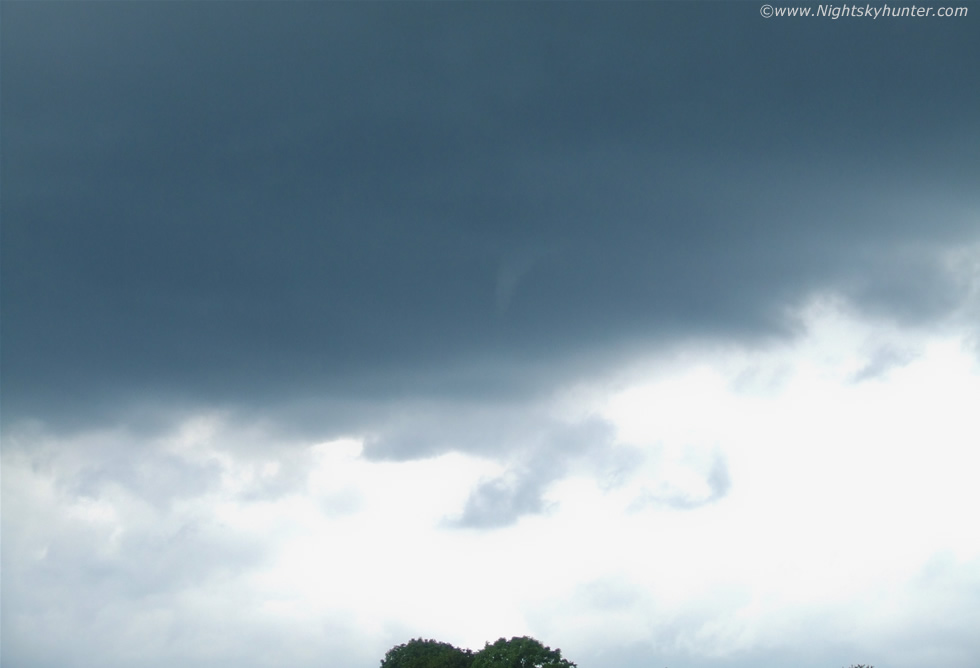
(523, 652)
(419, 653)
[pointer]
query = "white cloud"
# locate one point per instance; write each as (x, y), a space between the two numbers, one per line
(849, 514)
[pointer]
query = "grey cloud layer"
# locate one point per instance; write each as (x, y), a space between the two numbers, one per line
(519, 491)
(248, 204)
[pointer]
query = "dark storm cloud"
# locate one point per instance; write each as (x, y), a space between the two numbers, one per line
(249, 204)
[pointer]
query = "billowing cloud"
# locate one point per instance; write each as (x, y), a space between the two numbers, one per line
(736, 506)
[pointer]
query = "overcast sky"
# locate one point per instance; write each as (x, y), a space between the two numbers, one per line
(649, 329)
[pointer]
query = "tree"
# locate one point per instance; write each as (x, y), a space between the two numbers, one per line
(420, 653)
(523, 652)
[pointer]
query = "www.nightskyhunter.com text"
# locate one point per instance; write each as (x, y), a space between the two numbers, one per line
(863, 11)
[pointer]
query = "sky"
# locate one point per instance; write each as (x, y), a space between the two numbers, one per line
(648, 329)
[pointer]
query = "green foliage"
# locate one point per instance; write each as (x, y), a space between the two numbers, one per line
(521, 652)
(427, 654)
